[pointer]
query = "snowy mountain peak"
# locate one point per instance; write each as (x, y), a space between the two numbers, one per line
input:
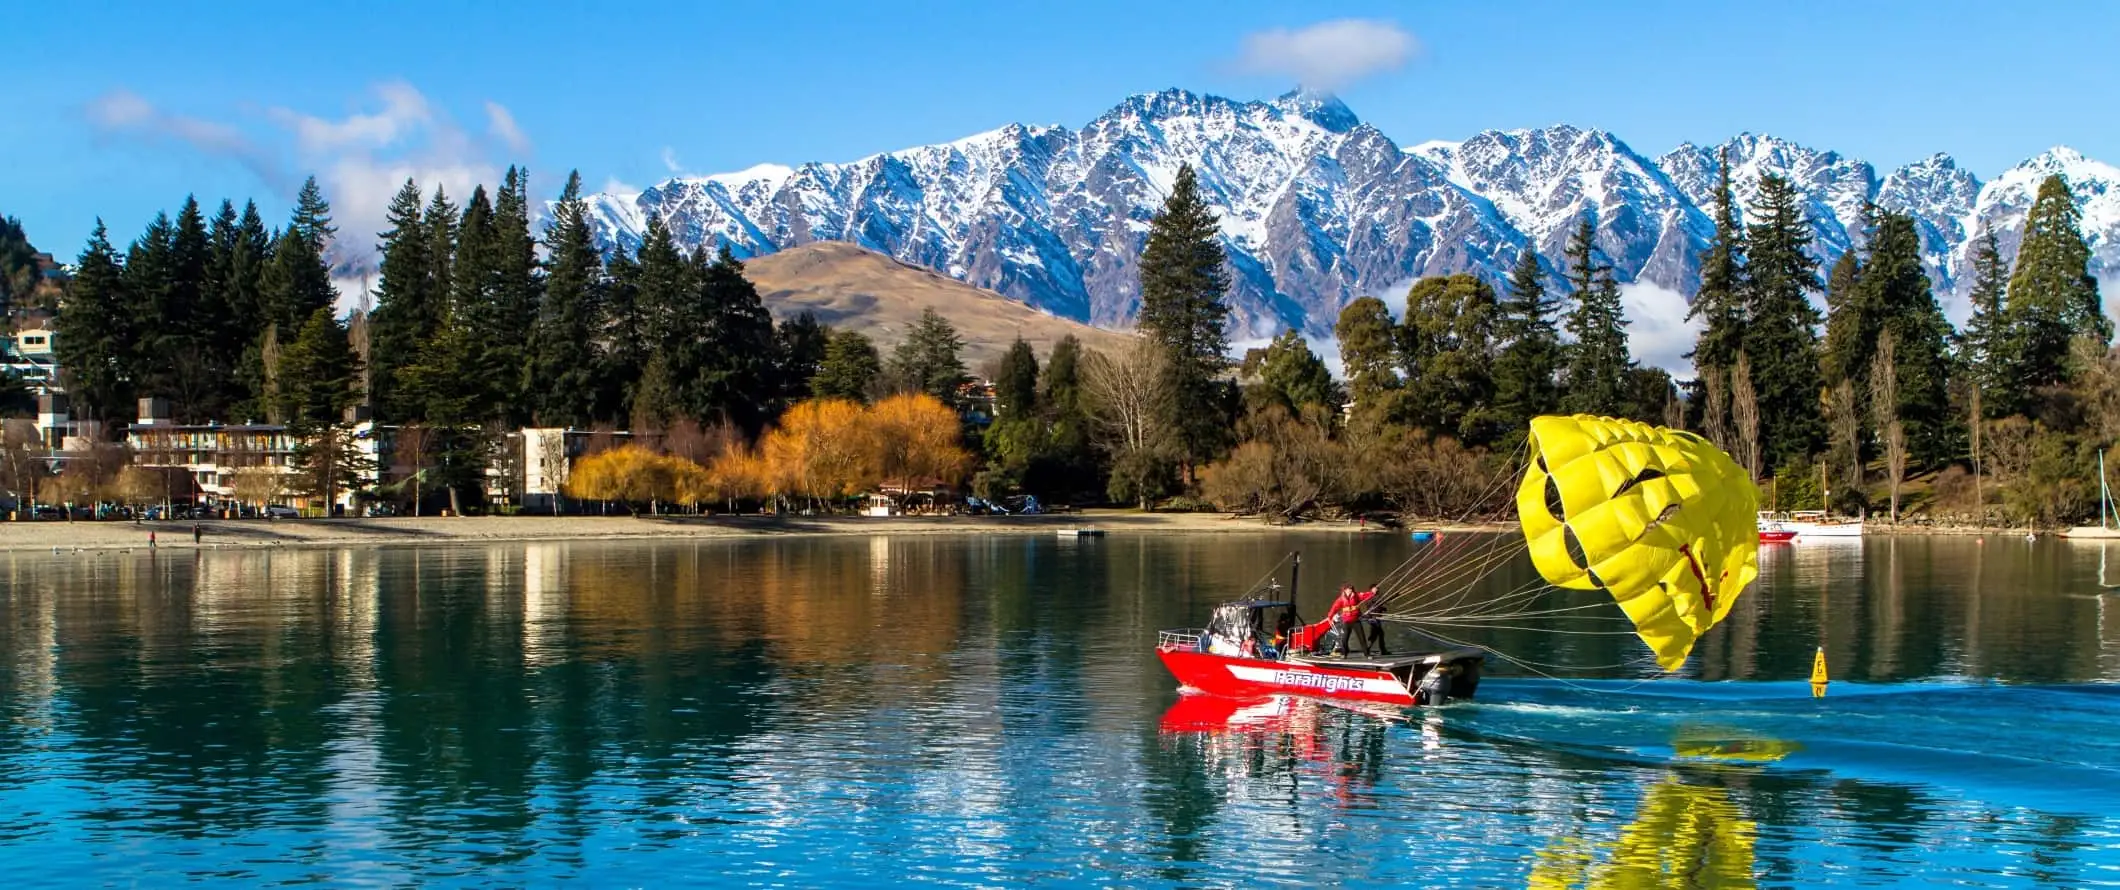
(1317, 208)
(1319, 107)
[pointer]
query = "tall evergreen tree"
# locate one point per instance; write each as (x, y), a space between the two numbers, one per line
(851, 368)
(1844, 355)
(625, 333)
(800, 344)
(562, 360)
(312, 220)
(1780, 337)
(247, 303)
(1720, 301)
(674, 325)
(1984, 349)
(1369, 354)
(151, 283)
(1529, 360)
(1596, 365)
(441, 220)
(515, 299)
(405, 304)
(318, 380)
(929, 360)
(1446, 345)
(736, 368)
(1895, 288)
(95, 335)
(1182, 288)
(1016, 382)
(2052, 296)
(1070, 449)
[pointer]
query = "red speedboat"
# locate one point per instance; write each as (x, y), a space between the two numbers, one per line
(1775, 533)
(1235, 656)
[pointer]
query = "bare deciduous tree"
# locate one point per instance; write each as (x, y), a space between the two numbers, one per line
(1884, 411)
(1744, 409)
(1844, 423)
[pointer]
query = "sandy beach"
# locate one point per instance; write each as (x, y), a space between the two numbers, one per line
(405, 530)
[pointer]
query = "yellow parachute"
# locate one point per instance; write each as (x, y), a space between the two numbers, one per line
(1659, 518)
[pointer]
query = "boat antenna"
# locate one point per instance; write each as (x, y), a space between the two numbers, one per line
(1295, 570)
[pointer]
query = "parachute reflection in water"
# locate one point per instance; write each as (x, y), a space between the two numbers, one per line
(1659, 518)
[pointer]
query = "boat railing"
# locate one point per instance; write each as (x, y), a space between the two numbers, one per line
(1184, 638)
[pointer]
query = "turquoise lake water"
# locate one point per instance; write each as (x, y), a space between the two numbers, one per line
(987, 711)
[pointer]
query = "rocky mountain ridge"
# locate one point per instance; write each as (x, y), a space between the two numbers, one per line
(1319, 208)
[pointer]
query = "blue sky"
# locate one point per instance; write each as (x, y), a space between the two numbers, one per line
(120, 110)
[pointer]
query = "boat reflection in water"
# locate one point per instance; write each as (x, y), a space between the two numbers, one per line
(1281, 735)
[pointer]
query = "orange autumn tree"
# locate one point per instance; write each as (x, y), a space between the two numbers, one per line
(629, 474)
(820, 451)
(913, 437)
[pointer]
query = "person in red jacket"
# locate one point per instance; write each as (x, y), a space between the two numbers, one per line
(1346, 610)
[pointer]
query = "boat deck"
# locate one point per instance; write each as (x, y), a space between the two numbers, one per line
(1387, 662)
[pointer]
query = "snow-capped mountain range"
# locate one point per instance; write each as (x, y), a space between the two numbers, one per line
(1318, 208)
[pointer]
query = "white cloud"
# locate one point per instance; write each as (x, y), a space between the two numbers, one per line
(125, 113)
(503, 127)
(1657, 330)
(360, 160)
(1328, 55)
(669, 159)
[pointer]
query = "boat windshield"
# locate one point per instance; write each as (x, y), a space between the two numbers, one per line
(1255, 628)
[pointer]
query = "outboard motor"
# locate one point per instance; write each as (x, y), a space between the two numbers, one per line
(1435, 687)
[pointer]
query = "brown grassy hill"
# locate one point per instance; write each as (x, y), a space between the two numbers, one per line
(848, 287)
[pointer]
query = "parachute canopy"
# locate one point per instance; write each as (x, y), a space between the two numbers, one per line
(1659, 518)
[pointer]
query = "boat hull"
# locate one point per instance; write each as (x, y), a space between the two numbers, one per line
(1782, 537)
(1826, 529)
(1391, 682)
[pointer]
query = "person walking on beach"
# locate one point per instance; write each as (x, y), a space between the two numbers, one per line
(150, 540)
(197, 533)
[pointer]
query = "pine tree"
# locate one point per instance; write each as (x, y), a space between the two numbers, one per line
(94, 336)
(625, 335)
(800, 344)
(1530, 356)
(1596, 365)
(563, 364)
(474, 305)
(929, 360)
(218, 340)
(318, 381)
(1182, 309)
(312, 219)
(1983, 346)
(515, 300)
(1720, 301)
(1895, 287)
(1068, 443)
(2052, 296)
(1369, 353)
(295, 284)
(150, 282)
(405, 305)
(1779, 332)
(851, 368)
(251, 255)
(1445, 346)
(1844, 353)
(736, 367)
(440, 221)
(1016, 382)
(1293, 375)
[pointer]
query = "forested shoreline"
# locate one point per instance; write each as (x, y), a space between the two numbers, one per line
(483, 319)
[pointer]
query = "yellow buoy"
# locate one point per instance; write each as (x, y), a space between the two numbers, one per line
(1818, 674)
